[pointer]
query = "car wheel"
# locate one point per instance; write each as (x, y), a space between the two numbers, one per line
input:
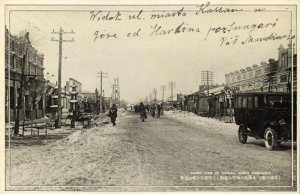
(242, 134)
(271, 139)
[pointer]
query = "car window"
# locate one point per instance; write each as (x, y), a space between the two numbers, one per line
(255, 102)
(250, 102)
(244, 105)
(238, 102)
(278, 101)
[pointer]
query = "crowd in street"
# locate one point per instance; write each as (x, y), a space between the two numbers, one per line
(156, 110)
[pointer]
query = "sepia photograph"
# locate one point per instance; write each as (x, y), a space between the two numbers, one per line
(154, 96)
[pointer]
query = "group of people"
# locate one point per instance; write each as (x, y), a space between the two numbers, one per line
(154, 109)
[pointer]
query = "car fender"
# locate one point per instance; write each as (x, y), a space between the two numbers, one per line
(272, 124)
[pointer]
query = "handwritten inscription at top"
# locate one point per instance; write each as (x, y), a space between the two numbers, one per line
(182, 21)
(205, 8)
(108, 16)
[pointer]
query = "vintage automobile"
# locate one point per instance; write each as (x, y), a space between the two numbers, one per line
(265, 116)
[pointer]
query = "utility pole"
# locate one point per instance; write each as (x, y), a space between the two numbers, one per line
(154, 93)
(101, 77)
(118, 91)
(172, 86)
(115, 88)
(163, 88)
(60, 41)
(22, 83)
(208, 78)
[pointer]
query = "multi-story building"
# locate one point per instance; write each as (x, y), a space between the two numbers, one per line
(68, 89)
(75, 82)
(34, 83)
(274, 75)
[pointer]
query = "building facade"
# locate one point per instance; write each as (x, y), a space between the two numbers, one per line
(34, 83)
(274, 75)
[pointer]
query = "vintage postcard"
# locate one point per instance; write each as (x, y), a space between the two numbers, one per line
(154, 96)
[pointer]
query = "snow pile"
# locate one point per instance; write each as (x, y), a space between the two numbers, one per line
(101, 120)
(95, 156)
(190, 117)
(74, 136)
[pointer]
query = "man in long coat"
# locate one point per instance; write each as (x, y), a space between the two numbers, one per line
(113, 114)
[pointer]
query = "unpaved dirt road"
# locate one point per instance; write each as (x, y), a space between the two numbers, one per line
(177, 152)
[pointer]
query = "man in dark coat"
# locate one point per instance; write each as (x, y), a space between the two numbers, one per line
(113, 114)
(153, 110)
(158, 110)
(143, 113)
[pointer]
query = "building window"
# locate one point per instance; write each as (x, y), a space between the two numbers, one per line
(274, 66)
(12, 98)
(274, 80)
(238, 77)
(227, 80)
(257, 84)
(266, 81)
(255, 102)
(243, 87)
(284, 61)
(251, 74)
(283, 78)
(250, 102)
(6, 59)
(12, 45)
(19, 63)
(257, 72)
(244, 75)
(244, 105)
(12, 59)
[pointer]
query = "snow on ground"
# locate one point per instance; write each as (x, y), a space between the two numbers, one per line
(87, 156)
(134, 153)
(212, 123)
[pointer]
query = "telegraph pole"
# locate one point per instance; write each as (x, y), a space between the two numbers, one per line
(207, 77)
(60, 41)
(207, 84)
(172, 86)
(154, 93)
(101, 77)
(163, 88)
(115, 88)
(118, 91)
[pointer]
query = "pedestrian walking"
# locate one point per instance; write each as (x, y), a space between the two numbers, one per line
(153, 110)
(158, 110)
(143, 113)
(113, 114)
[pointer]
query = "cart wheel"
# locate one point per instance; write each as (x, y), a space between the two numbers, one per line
(271, 139)
(242, 134)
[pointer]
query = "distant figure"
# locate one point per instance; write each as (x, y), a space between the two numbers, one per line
(113, 114)
(161, 109)
(158, 110)
(153, 110)
(143, 113)
(103, 108)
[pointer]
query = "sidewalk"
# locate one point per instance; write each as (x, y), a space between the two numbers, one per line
(52, 133)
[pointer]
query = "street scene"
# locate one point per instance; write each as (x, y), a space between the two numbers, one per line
(130, 98)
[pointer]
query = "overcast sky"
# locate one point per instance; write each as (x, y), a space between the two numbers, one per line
(146, 62)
